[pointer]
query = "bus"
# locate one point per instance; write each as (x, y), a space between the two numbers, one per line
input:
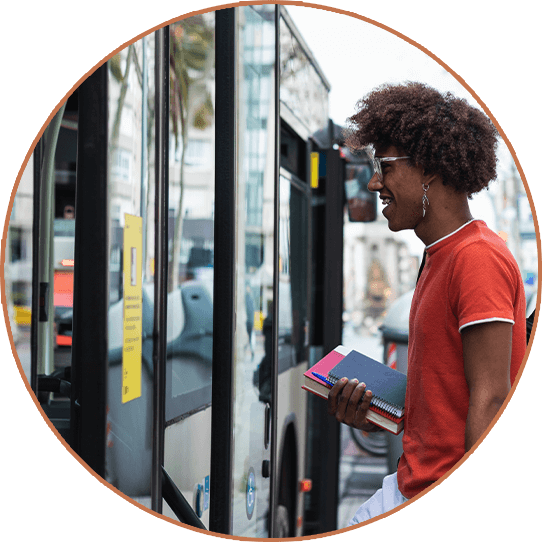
(187, 271)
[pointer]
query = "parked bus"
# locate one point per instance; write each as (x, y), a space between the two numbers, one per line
(202, 274)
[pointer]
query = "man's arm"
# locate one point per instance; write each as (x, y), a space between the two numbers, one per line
(487, 350)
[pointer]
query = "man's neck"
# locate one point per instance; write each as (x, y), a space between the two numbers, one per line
(444, 216)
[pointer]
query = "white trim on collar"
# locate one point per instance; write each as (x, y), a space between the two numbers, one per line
(450, 234)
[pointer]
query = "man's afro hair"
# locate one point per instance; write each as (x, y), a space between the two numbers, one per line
(440, 132)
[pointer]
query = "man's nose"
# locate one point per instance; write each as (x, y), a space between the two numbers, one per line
(375, 184)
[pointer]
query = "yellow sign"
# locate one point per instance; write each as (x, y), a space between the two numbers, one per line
(315, 166)
(133, 308)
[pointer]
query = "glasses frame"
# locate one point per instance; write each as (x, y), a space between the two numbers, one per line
(378, 161)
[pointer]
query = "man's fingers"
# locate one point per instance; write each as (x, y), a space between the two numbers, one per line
(333, 397)
(360, 416)
(354, 403)
(344, 406)
(349, 402)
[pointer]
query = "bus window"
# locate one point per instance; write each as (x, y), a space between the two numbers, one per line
(293, 271)
(191, 216)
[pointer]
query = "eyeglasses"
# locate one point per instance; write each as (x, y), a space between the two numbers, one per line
(378, 161)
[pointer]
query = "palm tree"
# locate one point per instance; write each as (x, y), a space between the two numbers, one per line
(191, 104)
(191, 64)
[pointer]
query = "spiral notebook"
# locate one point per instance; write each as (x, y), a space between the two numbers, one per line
(387, 385)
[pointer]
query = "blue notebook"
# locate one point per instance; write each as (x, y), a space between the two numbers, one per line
(387, 385)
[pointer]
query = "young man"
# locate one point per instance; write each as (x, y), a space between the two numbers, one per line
(467, 320)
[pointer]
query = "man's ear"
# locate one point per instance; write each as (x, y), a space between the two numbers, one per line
(428, 177)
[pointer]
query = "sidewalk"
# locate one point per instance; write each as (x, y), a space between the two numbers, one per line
(360, 476)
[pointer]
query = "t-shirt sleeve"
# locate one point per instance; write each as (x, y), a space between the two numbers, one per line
(483, 285)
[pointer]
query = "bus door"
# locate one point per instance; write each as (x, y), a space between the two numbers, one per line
(143, 286)
(130, 419)
(92, 319)
(245, 324)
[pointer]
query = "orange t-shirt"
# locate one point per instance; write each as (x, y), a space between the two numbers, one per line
(469, 277)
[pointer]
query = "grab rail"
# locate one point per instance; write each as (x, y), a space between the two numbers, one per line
(176, 501)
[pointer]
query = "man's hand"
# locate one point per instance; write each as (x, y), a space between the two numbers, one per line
(349, 403)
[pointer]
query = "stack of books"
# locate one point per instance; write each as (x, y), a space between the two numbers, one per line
(387, 409)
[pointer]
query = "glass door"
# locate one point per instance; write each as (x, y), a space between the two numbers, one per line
(244, 369)
(130, 196)
(254, 289)
(112, 322)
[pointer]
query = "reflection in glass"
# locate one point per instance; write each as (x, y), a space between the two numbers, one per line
(191, 215)
(301, 87)
(131, 201)
(254, 282)
(361, 203)
(293, 272)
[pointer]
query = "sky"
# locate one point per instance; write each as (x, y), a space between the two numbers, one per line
(363, 57)
(357, 56)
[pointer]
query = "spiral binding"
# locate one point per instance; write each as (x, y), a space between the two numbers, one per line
(377, 402)
(389, 408)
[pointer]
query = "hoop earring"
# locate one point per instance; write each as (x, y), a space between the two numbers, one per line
(425, 199)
